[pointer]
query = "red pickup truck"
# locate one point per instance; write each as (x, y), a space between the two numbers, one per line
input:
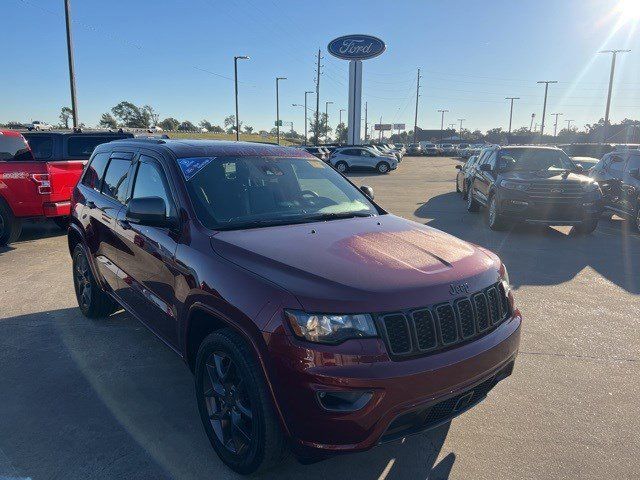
(38, 171)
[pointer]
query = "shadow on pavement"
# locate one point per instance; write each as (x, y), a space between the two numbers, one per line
(538, 255)
(90, 399)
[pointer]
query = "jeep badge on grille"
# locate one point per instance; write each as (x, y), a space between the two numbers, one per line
(458, 289)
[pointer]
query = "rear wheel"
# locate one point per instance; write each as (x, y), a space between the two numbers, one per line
(472, 205)
(342, 167)
(92, 300)
(383, 167)
(10, 226)
(235, 406)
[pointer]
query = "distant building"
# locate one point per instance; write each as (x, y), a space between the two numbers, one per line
(436, 136)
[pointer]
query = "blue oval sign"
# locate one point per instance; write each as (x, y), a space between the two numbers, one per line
(356, 47)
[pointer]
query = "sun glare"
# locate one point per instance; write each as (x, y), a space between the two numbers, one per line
(629, 10)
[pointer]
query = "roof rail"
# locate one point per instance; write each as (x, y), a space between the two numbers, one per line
(142, 140)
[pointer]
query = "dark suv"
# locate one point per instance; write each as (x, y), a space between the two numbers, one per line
(534, 185)
(313, 320)
(618, 175)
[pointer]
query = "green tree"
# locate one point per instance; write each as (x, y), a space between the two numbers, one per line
(107, 121)
(65, 115)
(206, 125)
(133, 116)
(171, 124)
(230, 124)
(319, 129)
(248, 129)
(187, 126)
(341, 133)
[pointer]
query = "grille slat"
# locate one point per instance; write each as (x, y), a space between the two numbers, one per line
(434, 328)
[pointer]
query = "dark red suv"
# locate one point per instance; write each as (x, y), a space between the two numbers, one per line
(314, 321)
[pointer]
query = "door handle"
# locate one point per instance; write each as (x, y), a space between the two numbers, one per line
(124, 224)
(91, 205)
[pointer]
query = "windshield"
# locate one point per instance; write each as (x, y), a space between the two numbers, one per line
(534, 160)
(14, 148)
(247, 192)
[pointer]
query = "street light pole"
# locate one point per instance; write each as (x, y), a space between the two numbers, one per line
(326, 120)
(235, 76)
(511, 110)
(442, 123)
(555, 125)
(544, 108)
(613, 53)
(533, 116)
(278, 109)
(415, 118)
(306, 119)
(461, 120)
(72, 74)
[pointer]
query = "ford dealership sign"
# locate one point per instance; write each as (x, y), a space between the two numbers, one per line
(356, 47)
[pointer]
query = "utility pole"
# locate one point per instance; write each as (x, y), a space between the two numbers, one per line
(614, 54)
(365, 121)
(317, 125)
(326, 121)
(415, 118)
(544, 107)
(555, 125)
(72, 72)
(511, 111)
(569, 124)
(306, 118)
(533, 116)
(442, 123)
(461, 120)
(235, 76)
(278, 109)
(340, 113)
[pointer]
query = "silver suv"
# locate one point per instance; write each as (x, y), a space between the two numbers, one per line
(357, 157)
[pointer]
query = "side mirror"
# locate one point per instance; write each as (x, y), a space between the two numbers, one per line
(579, 168)
(150, 211)
(635, 173)
(485, 167)
(367, 190)
(458, 167)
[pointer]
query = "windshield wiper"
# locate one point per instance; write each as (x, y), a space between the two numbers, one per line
(339, 215)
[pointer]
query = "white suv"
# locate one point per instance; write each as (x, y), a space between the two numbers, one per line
(37, 125)
(356, 157)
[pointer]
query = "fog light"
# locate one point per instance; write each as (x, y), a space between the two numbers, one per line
(588, 204)
(519, 202)
(344, 401)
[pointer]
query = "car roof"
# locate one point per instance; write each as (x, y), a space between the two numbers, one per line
(78, 134)
(10, 133)
(184, 148)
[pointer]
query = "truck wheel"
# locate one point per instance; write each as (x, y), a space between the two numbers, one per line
(494, 219)
(383, 167)
(585, 228)
(235, 406)
(92, 300)
(342, 167)
(472, 205)
(10, 226)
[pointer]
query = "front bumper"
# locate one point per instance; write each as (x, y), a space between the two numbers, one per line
(520, 207)
(404, 392)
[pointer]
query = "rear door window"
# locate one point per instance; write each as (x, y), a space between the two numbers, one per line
(82, 146)
(41, 146)
(14, 147)
(95, 171)
(116, 181)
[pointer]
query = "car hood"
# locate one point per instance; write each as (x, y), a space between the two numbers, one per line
(546, 176)
(374, 264)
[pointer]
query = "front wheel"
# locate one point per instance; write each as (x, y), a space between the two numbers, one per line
(383, 167)
(472, 205)
(495, 220)
(235, 406)
(342, 167)
(10, 226)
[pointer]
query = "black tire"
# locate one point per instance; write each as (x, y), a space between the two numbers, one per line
(472, 205)
(457, 186)
(10, 226)
(585, 228)
(342, 167)
(465, 190)
(383, 167)
(92, 300)
(494, 219)
(62, 222)
(267, 446)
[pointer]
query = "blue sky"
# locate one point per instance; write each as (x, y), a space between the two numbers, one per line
(178, 57)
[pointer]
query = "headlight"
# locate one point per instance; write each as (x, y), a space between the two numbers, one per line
(514, 185)
(593, 187)
(504, 275)
(330, 328)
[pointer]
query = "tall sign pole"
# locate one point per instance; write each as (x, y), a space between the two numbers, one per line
(355, 48)
(317, 124)
(72, 72)
(415, 120)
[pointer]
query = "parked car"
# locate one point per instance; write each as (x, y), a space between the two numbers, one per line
(618, 175)
(313, 320)
(415, 149)
(431, 149)
(447, 149)
(387, 151)
(362, 157)
(317, 152)
(587, 163)
(37, 125)
(534, 185)
(595, 150)
(464, 175)
(36, 178)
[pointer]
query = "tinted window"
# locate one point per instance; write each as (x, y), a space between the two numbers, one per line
(41, 146)
(115, 179)
(616, 164)
(14, 148)
(82, 146)
(95, 170)
(150, 182)
(534, 159)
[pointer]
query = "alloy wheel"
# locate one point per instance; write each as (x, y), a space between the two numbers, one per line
(383, 168)
(82, 280)
(227, 403)
(341, 167)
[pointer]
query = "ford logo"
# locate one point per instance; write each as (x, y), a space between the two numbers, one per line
(458, 289)
(356, 47)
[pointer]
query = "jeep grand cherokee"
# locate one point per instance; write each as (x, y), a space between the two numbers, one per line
(313, 320)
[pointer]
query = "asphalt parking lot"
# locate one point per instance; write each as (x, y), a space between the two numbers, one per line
(84, 399)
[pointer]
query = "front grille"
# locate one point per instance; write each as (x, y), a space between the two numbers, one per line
(555, 190)
(440, 326)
